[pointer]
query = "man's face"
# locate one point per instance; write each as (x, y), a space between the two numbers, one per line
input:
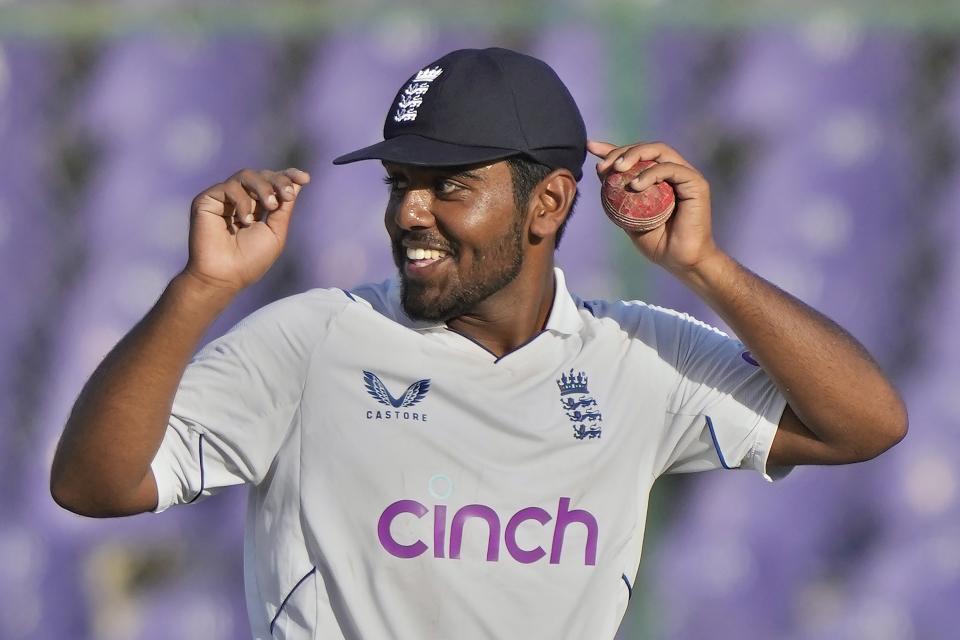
(456, 235)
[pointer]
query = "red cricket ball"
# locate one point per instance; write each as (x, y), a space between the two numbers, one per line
(636, 210)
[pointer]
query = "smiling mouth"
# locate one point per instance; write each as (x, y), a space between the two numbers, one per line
(419, 259)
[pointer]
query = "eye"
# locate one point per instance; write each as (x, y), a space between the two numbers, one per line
(445, 186)
(394, 183)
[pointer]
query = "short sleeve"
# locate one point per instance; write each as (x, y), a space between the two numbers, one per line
(724, 410)
(239, 397)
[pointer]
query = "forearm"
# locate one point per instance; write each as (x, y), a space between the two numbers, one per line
(829, 380)
(102, 463)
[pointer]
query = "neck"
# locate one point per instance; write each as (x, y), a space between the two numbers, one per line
(512, 316)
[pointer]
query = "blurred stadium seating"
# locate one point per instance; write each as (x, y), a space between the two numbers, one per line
(831, 137)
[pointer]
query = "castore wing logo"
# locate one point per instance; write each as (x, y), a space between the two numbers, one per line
(378, 391)
(580, 407)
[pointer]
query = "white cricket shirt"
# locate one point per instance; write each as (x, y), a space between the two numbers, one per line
(406, 483)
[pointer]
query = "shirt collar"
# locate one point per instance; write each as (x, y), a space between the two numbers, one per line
(564, 315)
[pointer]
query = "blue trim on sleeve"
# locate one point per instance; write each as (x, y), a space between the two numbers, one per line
(284, 603)
(716, 444)
(202, 473)
(589, 307)
(348, 294)
(629, 588)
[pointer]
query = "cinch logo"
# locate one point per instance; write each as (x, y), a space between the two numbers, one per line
(379, 392)
(565, 517)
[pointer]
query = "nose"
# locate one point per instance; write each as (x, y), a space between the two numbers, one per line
(413, 210)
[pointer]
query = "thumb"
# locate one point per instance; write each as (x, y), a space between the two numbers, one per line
(600, 149)
(278, 220)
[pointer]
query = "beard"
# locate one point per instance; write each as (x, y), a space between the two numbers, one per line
(493, 268)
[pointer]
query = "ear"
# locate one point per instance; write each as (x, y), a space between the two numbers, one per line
(550, 203)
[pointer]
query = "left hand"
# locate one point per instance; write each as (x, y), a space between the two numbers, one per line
(686, 239)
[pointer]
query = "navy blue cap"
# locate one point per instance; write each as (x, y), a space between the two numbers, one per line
(480, 105)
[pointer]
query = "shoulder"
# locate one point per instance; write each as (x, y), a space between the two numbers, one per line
(291, 326)
(299, 319)
(383, 300)
(317, 308)
(308, 305)
(641, 318)
(672, 334)
(383, 297)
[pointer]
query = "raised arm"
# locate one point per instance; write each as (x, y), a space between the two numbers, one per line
(840, 406)
(237, 230)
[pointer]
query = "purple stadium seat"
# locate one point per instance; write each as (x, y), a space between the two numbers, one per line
(28, 231)
(170, 118)
(818, 210)
(578, 54)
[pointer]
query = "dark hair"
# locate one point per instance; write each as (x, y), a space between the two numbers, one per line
(527, 174)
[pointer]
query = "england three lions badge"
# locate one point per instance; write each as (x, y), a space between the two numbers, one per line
(581, 408)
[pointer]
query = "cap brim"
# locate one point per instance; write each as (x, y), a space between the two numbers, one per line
(425, 152)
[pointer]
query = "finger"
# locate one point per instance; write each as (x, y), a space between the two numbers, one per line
(212, 201)
(297, 180)
(282, 184)
(279, 220)
(600, 149)
(610, 159)
(215, 201)
(297, 175)
(260, 188)
(685, 181)
(656, 151)
(241, 205)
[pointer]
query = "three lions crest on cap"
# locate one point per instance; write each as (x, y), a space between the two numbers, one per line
(412, 95)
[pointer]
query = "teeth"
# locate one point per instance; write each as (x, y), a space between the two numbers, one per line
(425, 254)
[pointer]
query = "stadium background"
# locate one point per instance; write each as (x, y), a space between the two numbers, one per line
(830, 132)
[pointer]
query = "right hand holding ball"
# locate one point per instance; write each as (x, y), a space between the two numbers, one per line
(666, 181)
